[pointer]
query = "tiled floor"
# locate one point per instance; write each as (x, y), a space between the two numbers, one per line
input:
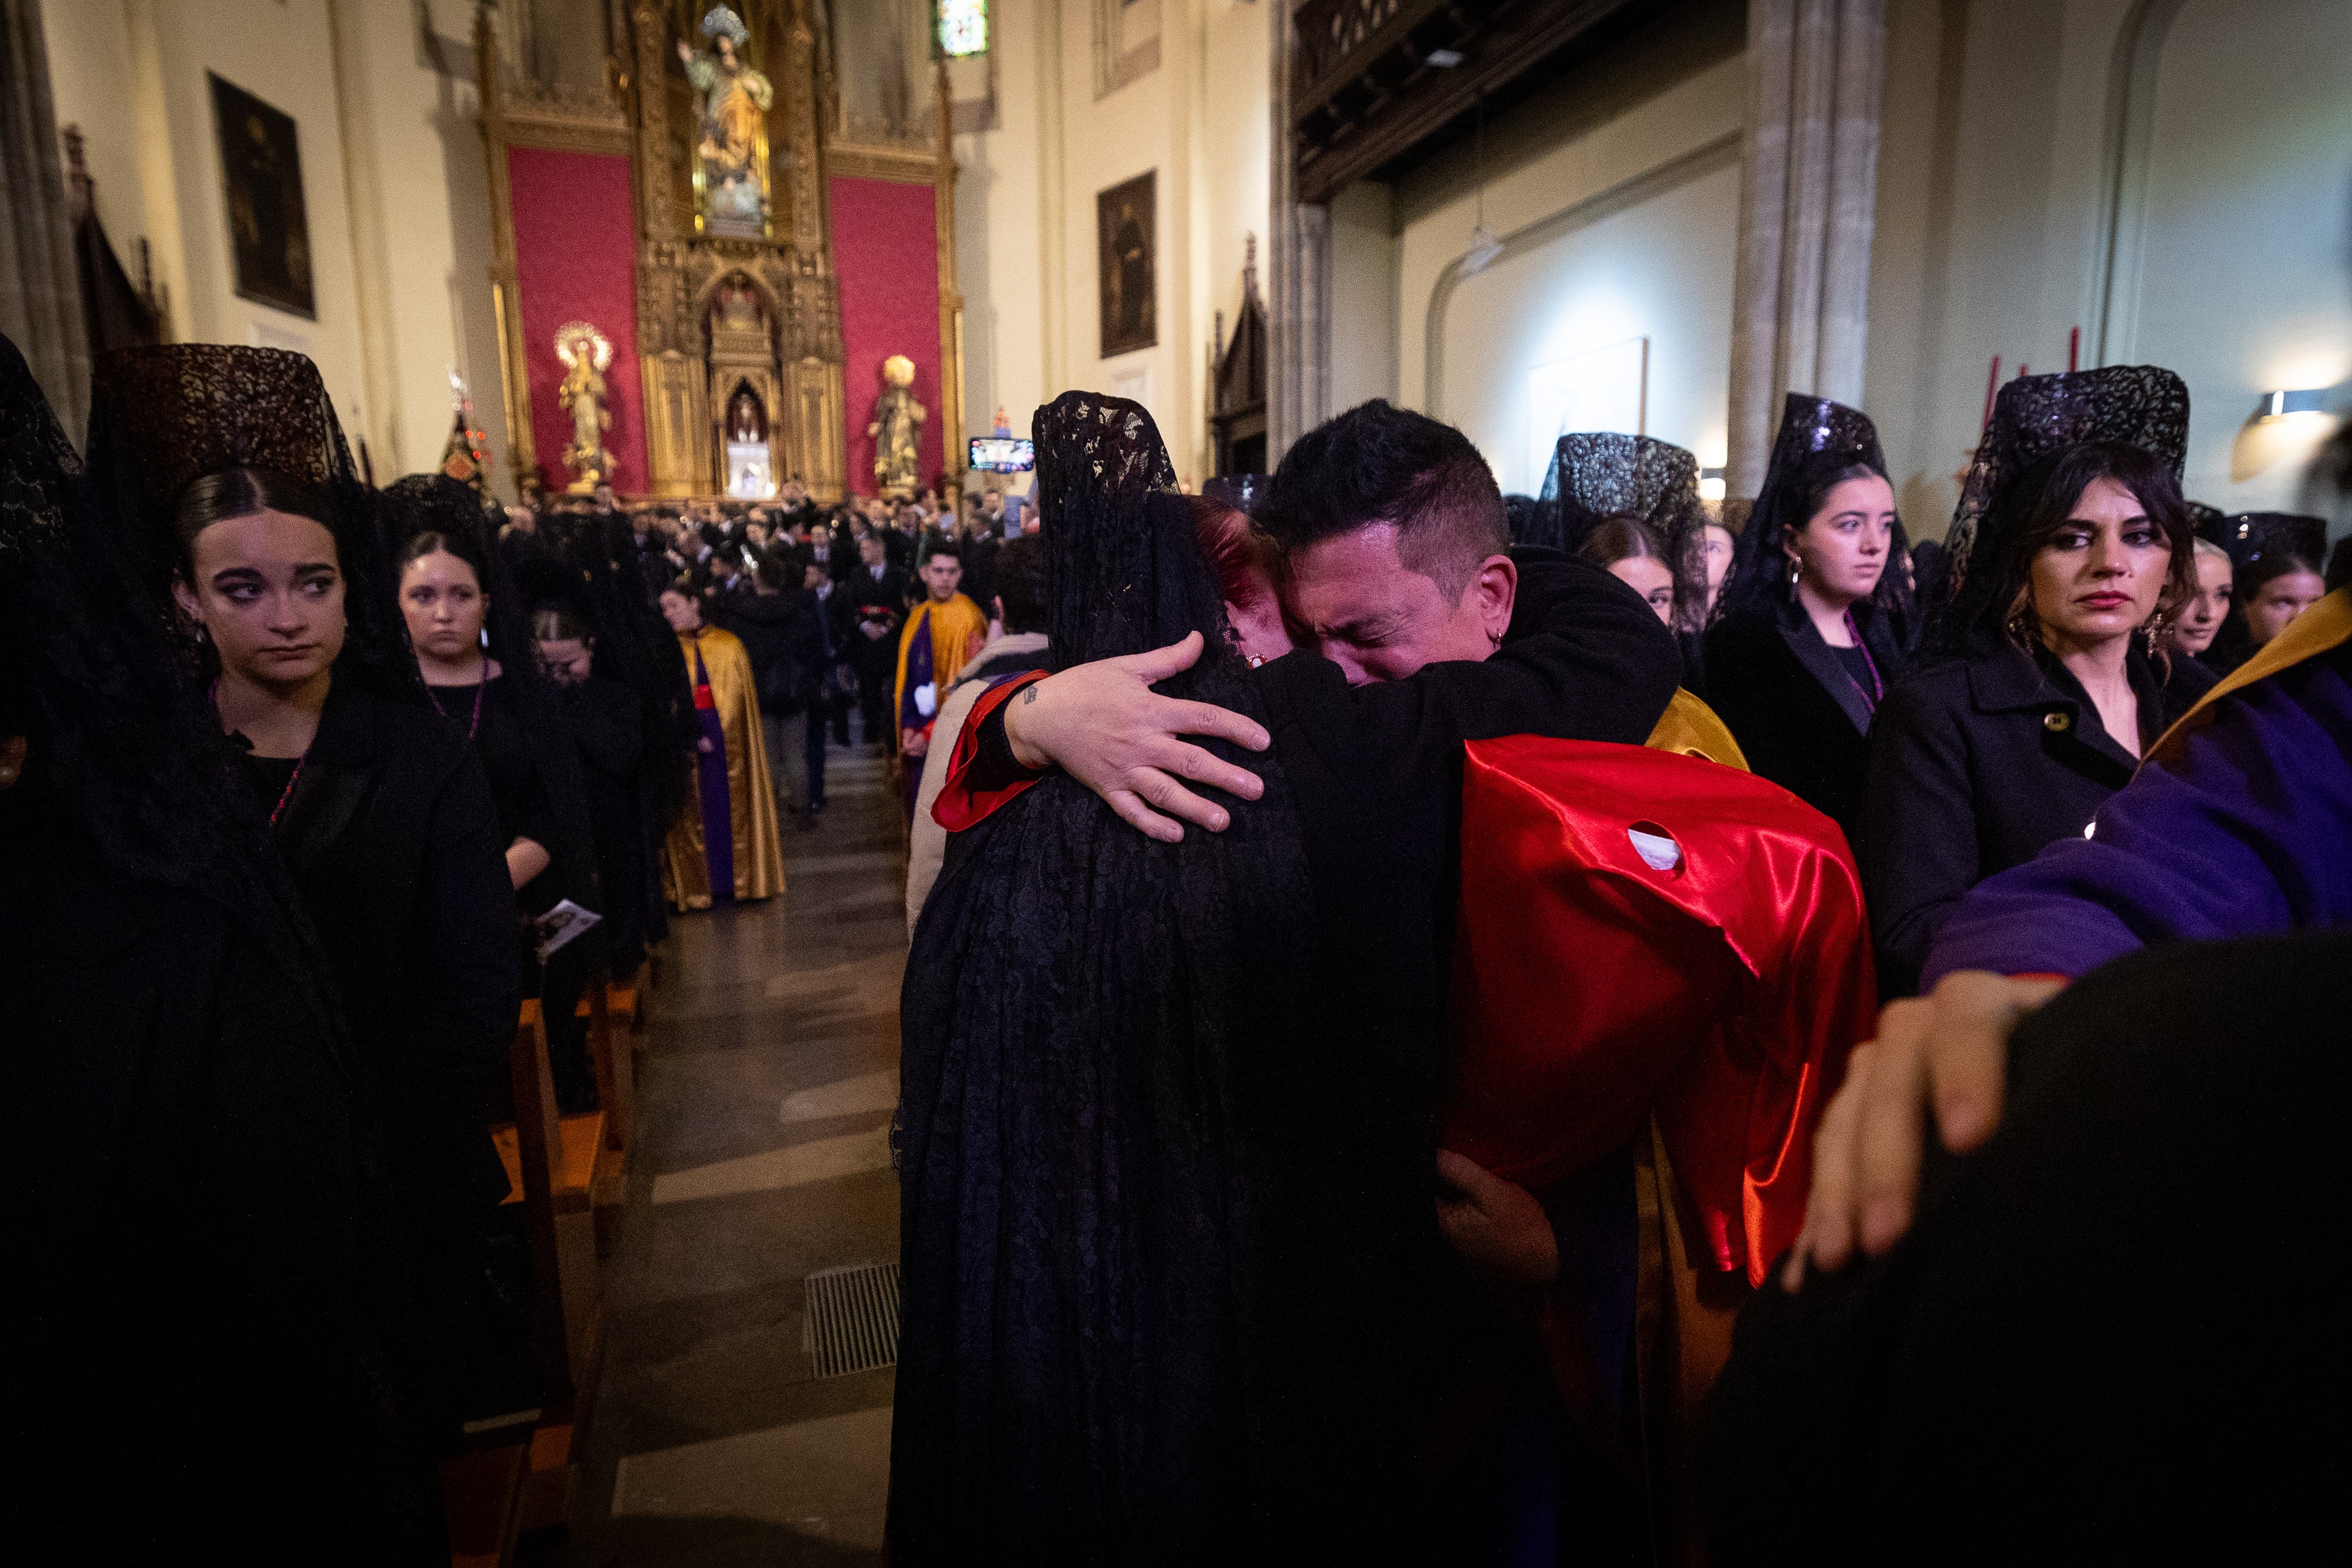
(766, 1094)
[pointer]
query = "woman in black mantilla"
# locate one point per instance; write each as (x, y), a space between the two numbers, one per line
(1630, 503)
(233, 462)
(2039, 689)
(203, 1268)
(1817, 619)
(1087, 1355)
(470, 632)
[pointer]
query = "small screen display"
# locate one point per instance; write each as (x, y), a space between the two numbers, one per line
(1003, 454)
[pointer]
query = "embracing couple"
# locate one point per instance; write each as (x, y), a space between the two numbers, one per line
(1174, 1282)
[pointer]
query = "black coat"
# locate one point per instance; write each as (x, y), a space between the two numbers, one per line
(2106, 1338)
(607, 722)
(198, 1236)
(1976, 764)
(394, 845)
(1791, 706)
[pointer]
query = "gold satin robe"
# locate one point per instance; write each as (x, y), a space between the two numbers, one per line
(959, 627)
(751, 795)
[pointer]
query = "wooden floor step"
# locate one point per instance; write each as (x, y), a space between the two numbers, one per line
(482, 1494)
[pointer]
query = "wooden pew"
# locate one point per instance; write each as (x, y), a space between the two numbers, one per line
(550, 1161)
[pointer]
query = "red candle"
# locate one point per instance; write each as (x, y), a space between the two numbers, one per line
(2074, 348)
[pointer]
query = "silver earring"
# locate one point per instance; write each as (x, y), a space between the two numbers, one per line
(1795, 569)
(486, 639)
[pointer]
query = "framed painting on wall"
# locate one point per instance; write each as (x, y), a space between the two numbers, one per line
(1127, 268)
(261, 179)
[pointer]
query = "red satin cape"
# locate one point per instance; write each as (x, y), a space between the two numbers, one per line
(1591, 991)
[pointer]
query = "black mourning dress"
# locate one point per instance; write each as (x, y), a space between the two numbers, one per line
(203, 1297)
(1168, 1112)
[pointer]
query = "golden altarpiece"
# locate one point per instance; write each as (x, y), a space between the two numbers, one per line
(729, 120)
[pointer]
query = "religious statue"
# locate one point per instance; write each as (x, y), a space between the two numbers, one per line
(586, 354)
(730, 154)
(745, 421)
(897, 422)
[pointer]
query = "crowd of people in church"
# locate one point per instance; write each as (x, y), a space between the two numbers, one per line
(1393, 1066)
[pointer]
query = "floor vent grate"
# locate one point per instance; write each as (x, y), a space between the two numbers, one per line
(853, 1319)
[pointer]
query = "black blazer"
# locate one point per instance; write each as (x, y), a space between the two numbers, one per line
(1976, 763)
(1791, 706)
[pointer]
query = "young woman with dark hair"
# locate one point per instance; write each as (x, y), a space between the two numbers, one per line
(472, 640)
(204, 1259)
(1816, 620)
(2040, 692)
(1637, 557)
(234, 463)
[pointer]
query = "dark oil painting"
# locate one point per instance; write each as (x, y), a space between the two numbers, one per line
(261, 177)
(1126, 238)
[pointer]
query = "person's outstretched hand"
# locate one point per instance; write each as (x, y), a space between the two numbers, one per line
(1104, 726)
(1493, 1223)
(1948, 1051)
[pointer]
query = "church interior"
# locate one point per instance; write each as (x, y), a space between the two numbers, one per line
(700, 256)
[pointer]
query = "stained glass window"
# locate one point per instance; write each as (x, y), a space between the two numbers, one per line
(964, 27)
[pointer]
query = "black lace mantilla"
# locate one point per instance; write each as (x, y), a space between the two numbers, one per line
(1811, 428)
(192, 409)
(2144, 407)
(1598, 474)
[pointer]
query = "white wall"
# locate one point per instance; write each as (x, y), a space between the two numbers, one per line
(131, 73)
(1616, 227)
(1999, 145)
(1025, 207)
(2241, 285)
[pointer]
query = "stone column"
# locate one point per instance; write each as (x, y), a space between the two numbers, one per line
(1808, 199)
(40, 296)
(1299, 259)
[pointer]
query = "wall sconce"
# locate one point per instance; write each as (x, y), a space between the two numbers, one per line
(1710, 484)
(2284, 423)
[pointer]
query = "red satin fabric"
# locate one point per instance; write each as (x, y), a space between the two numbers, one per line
(1590, 991)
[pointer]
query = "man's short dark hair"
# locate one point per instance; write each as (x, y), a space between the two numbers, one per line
(1380, 463)
(938, 545)
(1021, 583)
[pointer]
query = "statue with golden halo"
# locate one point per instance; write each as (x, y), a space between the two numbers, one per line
(897, 430)
(586, 354)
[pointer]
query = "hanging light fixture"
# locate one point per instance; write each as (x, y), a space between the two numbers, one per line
(1484, 248)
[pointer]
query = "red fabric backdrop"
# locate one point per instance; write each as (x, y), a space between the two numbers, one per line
(886, 251)
(575, 231)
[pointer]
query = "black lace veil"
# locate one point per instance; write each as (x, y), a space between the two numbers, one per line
(1117, 1095)
(114, 720)
(2034, 418)
(2144, 407)
(1599, 475)
(1815, 432)
(162, 417)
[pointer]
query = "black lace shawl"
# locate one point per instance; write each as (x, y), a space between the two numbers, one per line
(1599, 475)
(162, 418)
(2033, 418)
(1760, 583)
(1104, 1042)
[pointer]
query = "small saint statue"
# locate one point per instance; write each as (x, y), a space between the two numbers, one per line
(586, 354)
(897, 423)
(734, 99)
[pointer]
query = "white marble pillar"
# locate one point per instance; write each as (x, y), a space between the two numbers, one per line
(1809, 180)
